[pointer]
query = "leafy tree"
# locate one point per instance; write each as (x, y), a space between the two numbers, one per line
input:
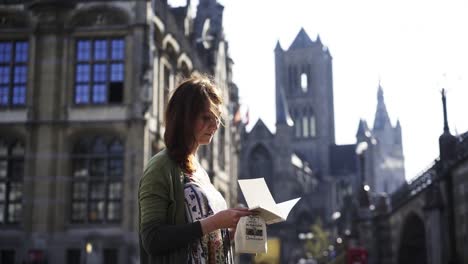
(319, 242)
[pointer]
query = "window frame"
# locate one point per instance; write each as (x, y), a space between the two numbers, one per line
(12, 64)
(10, 158)
(91, 62)
(86, 196)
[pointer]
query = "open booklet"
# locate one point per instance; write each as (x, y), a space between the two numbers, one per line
(258, 198)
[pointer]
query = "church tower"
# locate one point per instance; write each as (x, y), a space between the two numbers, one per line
(304, 91)
(390, 172)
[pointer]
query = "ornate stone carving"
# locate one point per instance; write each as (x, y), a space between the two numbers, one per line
(99, 16)
(10, 19)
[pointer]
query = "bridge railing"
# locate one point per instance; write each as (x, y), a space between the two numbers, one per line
(419, 183)
(427, 176)
(462, 146)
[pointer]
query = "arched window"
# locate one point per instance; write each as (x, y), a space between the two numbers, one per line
(305, 126)
(304, 82)
(97, 176)
(261, 165)
(313, 125)
(11, 181)
(297, 124)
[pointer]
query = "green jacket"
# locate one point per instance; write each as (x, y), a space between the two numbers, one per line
(162, 213)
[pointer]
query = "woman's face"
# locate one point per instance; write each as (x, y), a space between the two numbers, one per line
(205, 127)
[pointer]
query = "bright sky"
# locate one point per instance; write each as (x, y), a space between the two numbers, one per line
(413, 47)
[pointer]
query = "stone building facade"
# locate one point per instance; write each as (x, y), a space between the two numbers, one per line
(83, 86)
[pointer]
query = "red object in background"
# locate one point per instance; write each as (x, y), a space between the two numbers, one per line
(36, 256)
(356, 256)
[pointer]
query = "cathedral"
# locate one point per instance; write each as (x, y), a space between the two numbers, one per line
(301, 159)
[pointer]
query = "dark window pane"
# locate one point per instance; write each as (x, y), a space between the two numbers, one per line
(96, 211)
(17, 168)
(16, 192)
(80, 190)
(99, 146)
(82, 94)
(116, 92)
(80, 167)
(2, 192)
(99, 93)
(117, 72)
(5, 51)
(21, 51)
(115, 191)
(118, 46)
(116, 167)
(116, 148)
(98, 167)
(4, 95)
(18, 149)
(20, 74)
(3, 148)
(4, 75)
(73, 256)
(3, 168)
(113, 211)
(82, 147)
(78, 211)
(2, 213)
(83, 50)
(8, 256)
(110, 256)
(82, 73)
(100, 50)
(97, 190)
(14, 212)
(19, 95)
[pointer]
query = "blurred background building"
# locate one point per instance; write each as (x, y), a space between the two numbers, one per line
(83, 87)
(301, 159)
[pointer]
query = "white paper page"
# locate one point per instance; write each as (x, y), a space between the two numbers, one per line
(285, 207)
(256, 193)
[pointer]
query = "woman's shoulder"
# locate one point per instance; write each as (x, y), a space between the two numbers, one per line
(161, 163)
(160, 160)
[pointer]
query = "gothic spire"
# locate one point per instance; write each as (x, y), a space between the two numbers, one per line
(362, 129)
(447, 142)
(381, 116)
(301, 41)
(278, 47)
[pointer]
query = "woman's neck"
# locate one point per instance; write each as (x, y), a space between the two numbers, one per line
(194, 150)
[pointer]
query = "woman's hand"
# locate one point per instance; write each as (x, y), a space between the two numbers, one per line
(224, 219)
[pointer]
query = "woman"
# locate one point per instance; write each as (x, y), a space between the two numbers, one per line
(183, 218)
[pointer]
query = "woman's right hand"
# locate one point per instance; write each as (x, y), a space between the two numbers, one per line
(224, 219)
